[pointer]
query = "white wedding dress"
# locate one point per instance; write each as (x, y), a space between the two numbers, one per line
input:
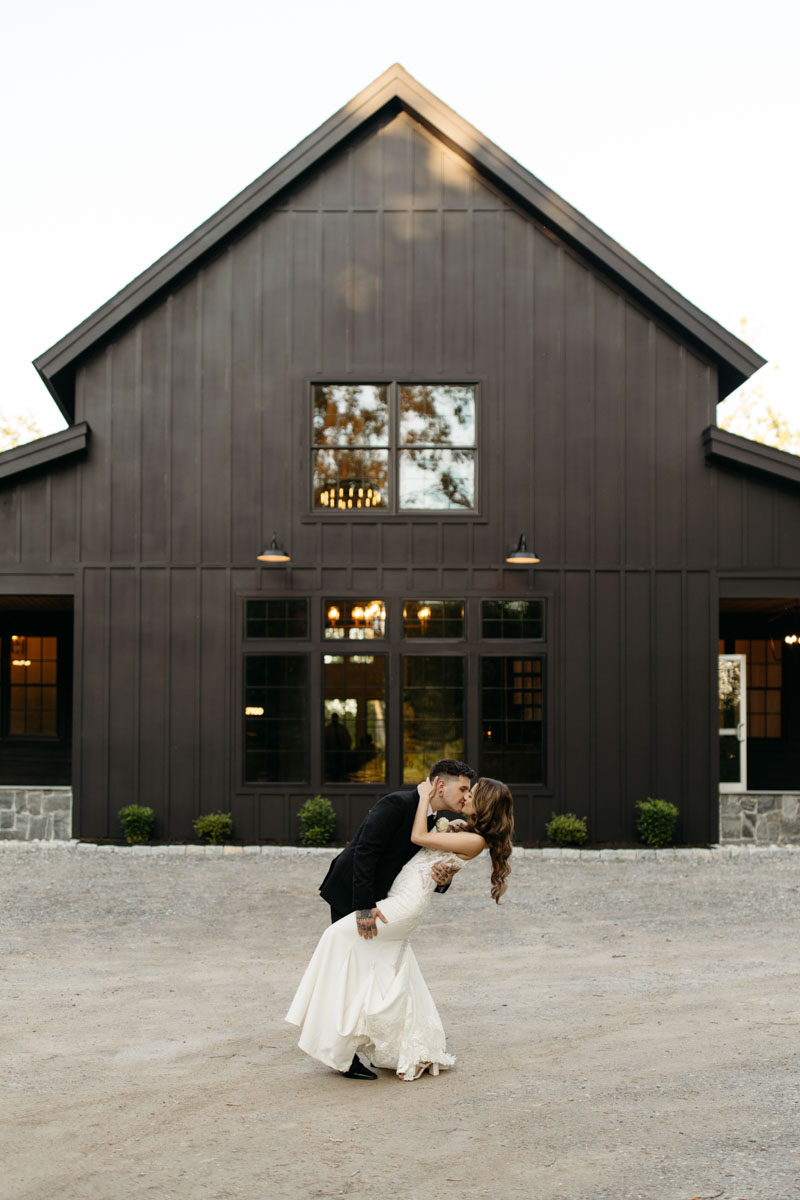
(369, 995)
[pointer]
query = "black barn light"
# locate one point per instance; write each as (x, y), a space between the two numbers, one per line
(522, 554)
(274, 553)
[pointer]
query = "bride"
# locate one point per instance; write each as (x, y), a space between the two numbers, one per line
(368, 995)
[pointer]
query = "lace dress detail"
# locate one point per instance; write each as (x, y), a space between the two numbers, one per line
(370, 996)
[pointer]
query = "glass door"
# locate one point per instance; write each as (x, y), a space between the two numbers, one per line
(732, 723)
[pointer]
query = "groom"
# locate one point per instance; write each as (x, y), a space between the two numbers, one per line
(365, 870)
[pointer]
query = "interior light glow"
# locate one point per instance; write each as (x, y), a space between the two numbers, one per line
(253, 710)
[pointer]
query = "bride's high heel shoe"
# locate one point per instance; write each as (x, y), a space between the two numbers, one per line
(420, 1070)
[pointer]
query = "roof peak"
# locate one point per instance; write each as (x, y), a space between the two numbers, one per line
(735, 360)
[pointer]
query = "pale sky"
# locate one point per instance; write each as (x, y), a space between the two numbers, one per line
(673, 127)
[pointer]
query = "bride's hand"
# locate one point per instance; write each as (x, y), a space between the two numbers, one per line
(425, 791)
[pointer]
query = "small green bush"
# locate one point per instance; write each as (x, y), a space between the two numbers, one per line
(655, 823)
(214, 827)
(137, 823)
(317, 822)
(567, 829)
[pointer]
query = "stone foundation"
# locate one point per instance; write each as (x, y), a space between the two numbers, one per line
(765, 818)
(28, 813)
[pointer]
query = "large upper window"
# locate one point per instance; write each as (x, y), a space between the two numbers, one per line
(393, 447)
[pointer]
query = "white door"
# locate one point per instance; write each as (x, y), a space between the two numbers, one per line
(732, 723)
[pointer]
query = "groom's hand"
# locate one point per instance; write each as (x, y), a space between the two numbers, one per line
(366, 922)
(443, 873)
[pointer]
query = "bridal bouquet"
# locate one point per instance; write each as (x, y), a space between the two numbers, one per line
(444, 825)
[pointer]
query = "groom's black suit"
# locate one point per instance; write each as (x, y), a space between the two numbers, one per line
(365, 870)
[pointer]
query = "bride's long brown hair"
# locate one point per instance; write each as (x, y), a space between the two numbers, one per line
(493, 819)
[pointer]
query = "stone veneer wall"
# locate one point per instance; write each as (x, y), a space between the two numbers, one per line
(759, 817)
(35, 812)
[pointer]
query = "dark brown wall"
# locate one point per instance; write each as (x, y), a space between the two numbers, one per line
(397, 262)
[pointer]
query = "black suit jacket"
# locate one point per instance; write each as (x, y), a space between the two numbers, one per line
(363, 873)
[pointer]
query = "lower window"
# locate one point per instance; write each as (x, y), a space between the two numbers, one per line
(512, 725)
(433, 712)
(276, 713)
(355, 718)
(33, 675)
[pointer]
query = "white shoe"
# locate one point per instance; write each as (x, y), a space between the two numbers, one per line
(419, 1070)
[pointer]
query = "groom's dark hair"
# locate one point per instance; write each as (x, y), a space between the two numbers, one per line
(451, 766)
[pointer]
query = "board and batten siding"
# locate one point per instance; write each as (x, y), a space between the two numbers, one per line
(395, 260)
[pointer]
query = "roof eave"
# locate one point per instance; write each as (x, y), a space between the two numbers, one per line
(721, 446)
(44, 451)
(736, 361)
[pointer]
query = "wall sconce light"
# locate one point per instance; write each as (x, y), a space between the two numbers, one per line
(522, 554)
(274, 553)
(424, 615)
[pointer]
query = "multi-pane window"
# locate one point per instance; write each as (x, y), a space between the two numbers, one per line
(354, 718)
(433, 712)
(512, 719)
(383, 703)
(512, 619)
(276, 618)
(33, 676)
(393, 447)
(276, 713)
(433, 618)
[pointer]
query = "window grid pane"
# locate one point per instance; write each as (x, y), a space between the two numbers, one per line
(276, 618)
(512, 719)
(354, 620)
(433, 618)
(276, 718)
(433, 712)
(520, 619)
(354, 748)
(350, 415)
(436, 479)
(764, 686)
(33, 672)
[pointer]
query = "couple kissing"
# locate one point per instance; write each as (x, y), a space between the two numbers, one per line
(363, 991)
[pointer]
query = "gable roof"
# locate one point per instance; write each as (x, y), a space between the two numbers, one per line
(396, 88)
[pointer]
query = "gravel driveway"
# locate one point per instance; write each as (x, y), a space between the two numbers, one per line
(623, 1030)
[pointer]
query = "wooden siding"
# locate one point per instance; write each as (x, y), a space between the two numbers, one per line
(396, 261)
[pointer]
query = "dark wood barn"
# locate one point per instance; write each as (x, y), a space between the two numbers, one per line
(399, 351)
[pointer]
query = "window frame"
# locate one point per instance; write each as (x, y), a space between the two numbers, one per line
(396, 648)
(37, 624)
(393, 509)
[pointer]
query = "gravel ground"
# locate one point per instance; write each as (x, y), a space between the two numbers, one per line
(624, 1030)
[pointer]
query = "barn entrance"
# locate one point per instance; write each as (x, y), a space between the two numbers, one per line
(759, 695)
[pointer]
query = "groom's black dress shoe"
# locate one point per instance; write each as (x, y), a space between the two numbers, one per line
(358, 1070)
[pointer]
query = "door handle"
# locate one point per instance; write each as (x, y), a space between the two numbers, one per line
(740, 731)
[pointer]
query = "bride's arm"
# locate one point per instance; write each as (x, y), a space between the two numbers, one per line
(467, 844)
